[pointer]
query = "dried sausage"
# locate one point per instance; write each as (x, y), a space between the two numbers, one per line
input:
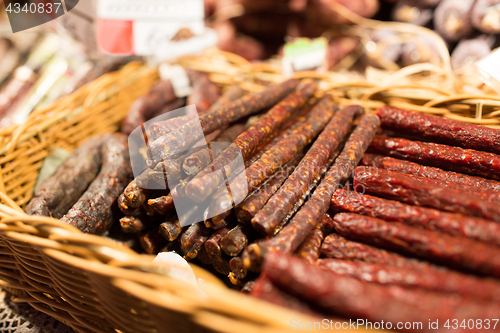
(213, 244)
(438, 280)
(454, 224)
(93, 212)
(338, 247)
(171, 229)
(349, 297)
(57, 194)
(237, 239)
(176, 141)
(267, 220)
(456, 252)
(411, 168)
(439, 129)
(205, 93)
(153, 242)
(193, 238)
(422, 192)
(310, 248)
(294, 233)
(472, 162)
(247, 143)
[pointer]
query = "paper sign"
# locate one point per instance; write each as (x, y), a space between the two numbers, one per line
(304, 54)
(490, 71)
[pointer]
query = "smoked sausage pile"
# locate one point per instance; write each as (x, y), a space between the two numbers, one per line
(303, 203)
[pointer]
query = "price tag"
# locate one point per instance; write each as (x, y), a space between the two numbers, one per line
(178, 77)
(132, 27)
(304, 54)
(490, 71)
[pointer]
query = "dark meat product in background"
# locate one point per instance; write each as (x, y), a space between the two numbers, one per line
(161, 128)
(444, 281)
(327, 14)
(412, 168)
(294, 233)
(94, 212)
(310, 248)
(144, 108)
(420, 49)
(486, 16)
(247, 143)
(205, 93)
(175, 142)
(452, 19)
(421, 192)
(338, 247)
(431, 219)
(410, 11)
(58, 193)
(328, 141)
(455, 252)
(439, 129)
(473, 162)
(349, 297)
(468, 51)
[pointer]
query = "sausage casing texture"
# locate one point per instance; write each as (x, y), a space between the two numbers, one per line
(212, 245)
(265, 290)
(193, 239)
(440, 129)
(94, 211)
(411, 168)
(455, 252)
(276, 209)
(205, 93)
(147, 106)
(197, 161)
(338, 247)
(294, 233)
(311, 247)
(469, 161)
(237, 239)
(57, 194)
(174, 142)
(421, 192)
(445, 281)
(247, 143)
(432, 219)
(349, 297)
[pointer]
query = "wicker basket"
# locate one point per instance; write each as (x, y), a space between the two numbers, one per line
(96, 285)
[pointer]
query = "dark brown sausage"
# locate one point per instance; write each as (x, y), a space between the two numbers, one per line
(153, 242)
(212, 245)
(171, 229)
(93, 212)
(200, 188)
(349, 297)
(422, 192)
(310, 248)
(265, 290)
(411, 168)
(193, 238)
(472, 162)
(199, 160)
(237, 239)
(267, 220)
(455, 252)
(439, 129)
(294, 233)
(58, 193)
(146, 107)
(438, 280)
(454, 224)
(175, 142)
(205, 93)
(160, 128)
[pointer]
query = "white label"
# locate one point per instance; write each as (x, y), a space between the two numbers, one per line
(178, 77)
(172, 50)
(304, 54)
(185, 10)
(149, 36)
(490, 71)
